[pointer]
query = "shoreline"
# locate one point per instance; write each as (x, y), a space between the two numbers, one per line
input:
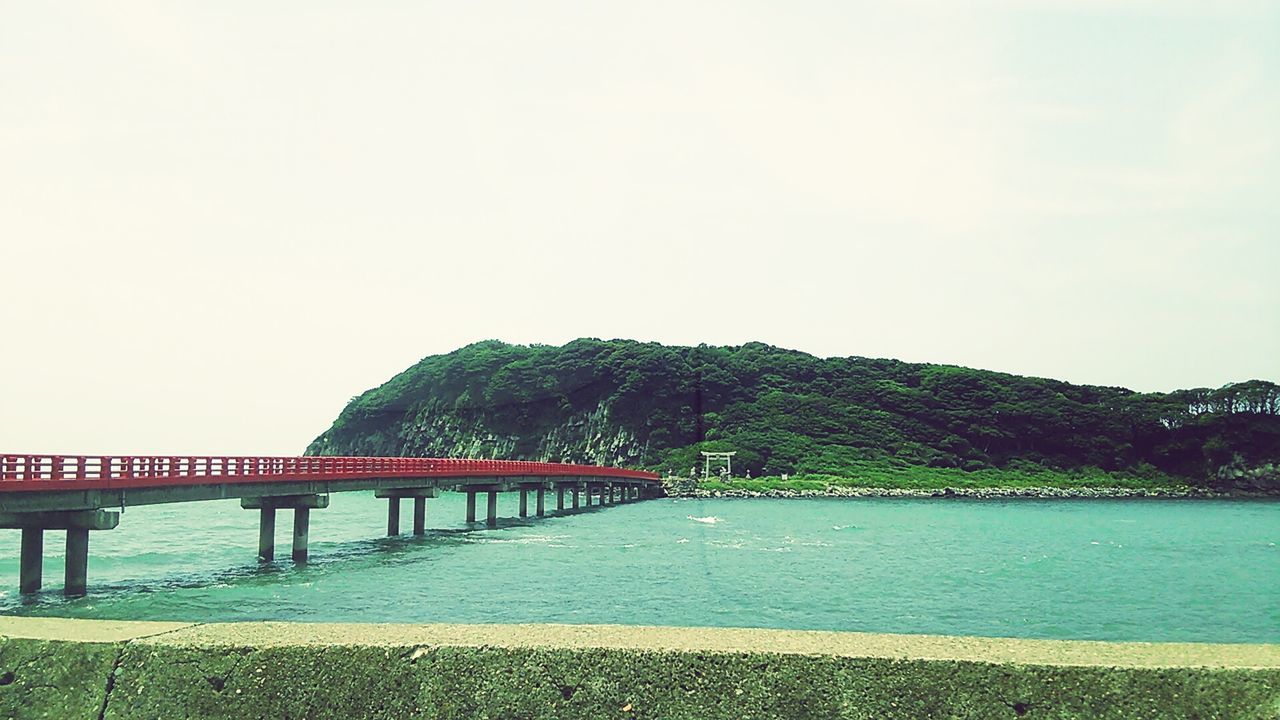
(1043, 493)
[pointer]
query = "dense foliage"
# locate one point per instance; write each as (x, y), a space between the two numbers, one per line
(787, 412)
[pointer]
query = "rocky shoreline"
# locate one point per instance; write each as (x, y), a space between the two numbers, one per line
(836, 491)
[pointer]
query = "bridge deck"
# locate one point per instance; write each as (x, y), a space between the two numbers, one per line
(77, 492)
(21, 473)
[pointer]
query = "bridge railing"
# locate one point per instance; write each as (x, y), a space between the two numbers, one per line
(55, 472)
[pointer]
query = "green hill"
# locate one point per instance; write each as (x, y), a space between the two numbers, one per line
(645, 404)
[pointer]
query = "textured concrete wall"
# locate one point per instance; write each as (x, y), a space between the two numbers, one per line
(93, 669)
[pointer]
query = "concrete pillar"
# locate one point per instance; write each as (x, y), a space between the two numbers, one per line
(589, 489)
(301, 505)
(524, 503)
(491, 518)
(393, 516)
(77, 562)
(559, 499)
(471, 507)
(419, 516)
(32, 564)
(541, 500)
(301, 523)
(575, 498)
(267, 534)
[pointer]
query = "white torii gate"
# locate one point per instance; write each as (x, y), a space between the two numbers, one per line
(727, 457)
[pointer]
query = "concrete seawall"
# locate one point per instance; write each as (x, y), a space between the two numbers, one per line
(56, 668)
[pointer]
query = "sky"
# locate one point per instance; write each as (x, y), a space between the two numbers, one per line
(221, 221)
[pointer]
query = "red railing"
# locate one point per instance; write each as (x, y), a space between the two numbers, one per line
(99, 472)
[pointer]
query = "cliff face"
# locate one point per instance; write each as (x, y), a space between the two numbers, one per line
(493, 400)
(586, 436)
(643, 404)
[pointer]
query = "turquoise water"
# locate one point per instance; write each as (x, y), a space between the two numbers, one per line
(1109, 570)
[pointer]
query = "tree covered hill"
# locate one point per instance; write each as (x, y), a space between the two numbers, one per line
(645, 404)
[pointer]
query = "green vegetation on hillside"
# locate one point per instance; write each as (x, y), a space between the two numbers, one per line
(916, 477)
(644, 404)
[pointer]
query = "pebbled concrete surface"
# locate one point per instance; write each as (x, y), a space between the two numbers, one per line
(746, 640)
(286, 670)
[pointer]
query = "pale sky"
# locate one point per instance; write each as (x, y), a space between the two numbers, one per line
(221, 220)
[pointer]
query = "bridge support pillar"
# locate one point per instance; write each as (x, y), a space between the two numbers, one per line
(491, 517)
(77, 569)
(393, 516)
(541, 510)
(471, 507)
(524, 503)
(266, 534)
(589, 490)
(419, 516)
(395, 495)
(559, 499)
(301, 505)
(31, 568)
(301, 531)
(77, 523)
(575, 497)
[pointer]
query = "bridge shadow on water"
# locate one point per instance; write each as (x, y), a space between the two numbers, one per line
(325, 558)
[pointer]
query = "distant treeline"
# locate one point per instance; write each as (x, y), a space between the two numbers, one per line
(789, 412)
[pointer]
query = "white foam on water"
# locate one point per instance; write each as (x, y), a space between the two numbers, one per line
(548, 540)
(709, 520)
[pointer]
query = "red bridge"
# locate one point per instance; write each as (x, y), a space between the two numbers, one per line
(78, 493)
